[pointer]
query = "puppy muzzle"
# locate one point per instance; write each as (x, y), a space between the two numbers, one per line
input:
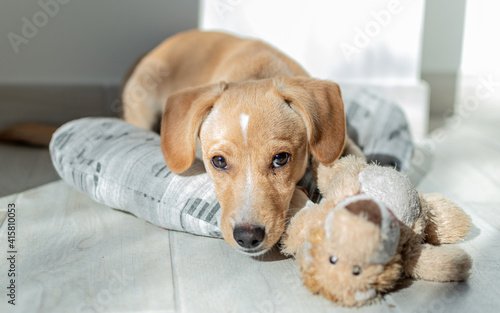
(250, 238)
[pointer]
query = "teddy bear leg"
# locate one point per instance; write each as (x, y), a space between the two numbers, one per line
(438, 263)
(446, 221)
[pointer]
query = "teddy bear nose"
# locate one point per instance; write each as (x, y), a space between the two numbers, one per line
(250, 236)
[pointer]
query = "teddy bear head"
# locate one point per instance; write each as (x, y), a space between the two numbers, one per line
(351, 258)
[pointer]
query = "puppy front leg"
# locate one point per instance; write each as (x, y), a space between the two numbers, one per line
(350, 148)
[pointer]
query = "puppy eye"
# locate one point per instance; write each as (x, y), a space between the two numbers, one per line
(356, 270)
(219, 162)
(281, 159)
(333, 260)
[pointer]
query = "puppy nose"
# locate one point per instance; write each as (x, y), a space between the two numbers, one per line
(249, 237)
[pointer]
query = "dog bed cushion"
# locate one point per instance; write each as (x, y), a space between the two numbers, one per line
(122, 166)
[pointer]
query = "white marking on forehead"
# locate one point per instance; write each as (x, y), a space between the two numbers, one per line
(246, 213)
(248, 194)
(244, 118)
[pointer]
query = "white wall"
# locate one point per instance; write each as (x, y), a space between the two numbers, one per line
(369, 41)
(480, 70)
(84, 41)
(481, 51)
(443, 34)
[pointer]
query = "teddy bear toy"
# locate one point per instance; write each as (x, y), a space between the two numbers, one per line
(372, 229)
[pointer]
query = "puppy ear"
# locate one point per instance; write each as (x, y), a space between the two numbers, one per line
(184, 113)
(320, 104)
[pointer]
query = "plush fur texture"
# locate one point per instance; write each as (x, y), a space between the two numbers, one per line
(335, 243)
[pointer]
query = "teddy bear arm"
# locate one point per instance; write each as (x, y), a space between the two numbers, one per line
(438, 263)
(446, 221)
(300, 225)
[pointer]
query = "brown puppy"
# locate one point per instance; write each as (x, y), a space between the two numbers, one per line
(258, 117)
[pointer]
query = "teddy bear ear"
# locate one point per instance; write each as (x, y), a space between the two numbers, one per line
(390, 233)
(378, 213)
(366, 208)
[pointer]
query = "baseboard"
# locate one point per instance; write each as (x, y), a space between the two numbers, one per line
(55, 104)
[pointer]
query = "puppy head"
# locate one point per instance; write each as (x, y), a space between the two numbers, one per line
(345, 259)
(256, 137)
